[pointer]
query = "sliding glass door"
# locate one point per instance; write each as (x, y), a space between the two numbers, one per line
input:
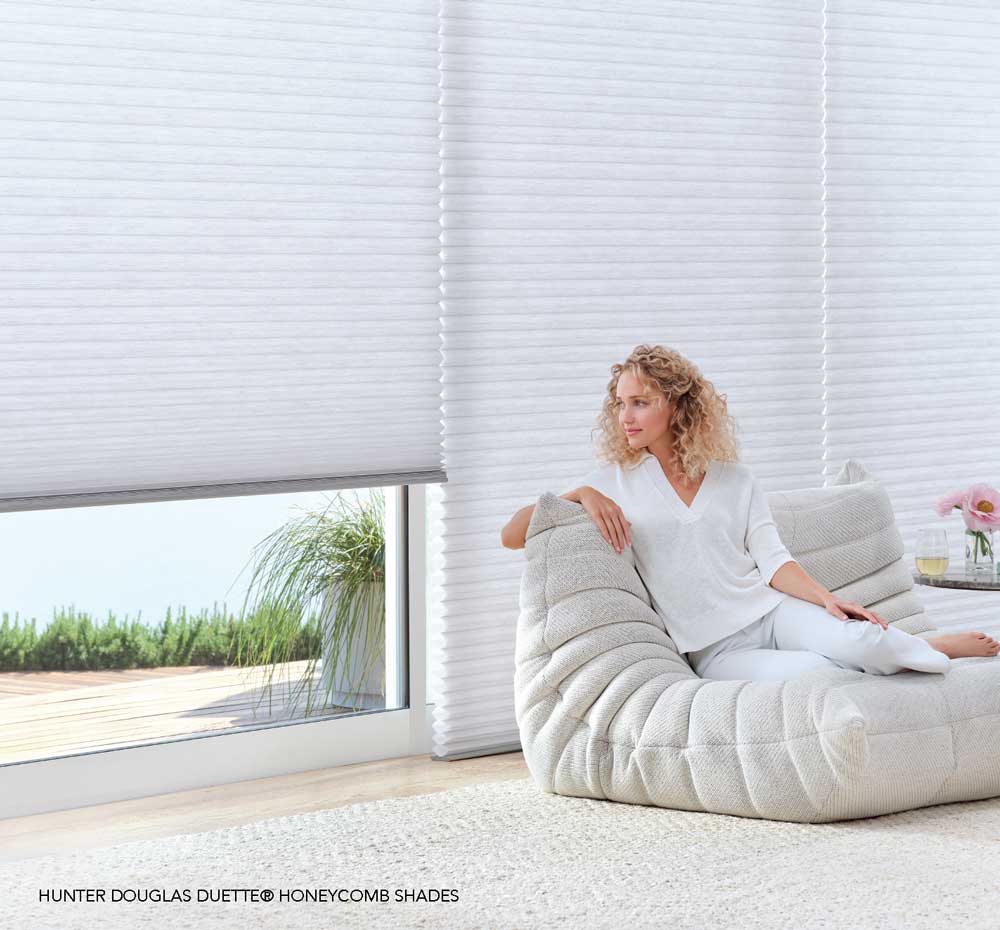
(119, 680)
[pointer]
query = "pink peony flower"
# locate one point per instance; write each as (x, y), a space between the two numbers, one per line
(944, 505)
(981, 507)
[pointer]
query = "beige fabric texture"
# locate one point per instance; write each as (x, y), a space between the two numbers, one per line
(607, 708)
(522, 859)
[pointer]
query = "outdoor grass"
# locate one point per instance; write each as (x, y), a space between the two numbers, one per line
(77, 642)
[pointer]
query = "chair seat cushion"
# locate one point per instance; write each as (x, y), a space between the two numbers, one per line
(607, 708)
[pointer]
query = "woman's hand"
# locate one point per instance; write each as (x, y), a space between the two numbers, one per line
(846, 610)
(608, 517)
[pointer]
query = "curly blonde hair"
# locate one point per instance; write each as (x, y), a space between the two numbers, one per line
(701, 428)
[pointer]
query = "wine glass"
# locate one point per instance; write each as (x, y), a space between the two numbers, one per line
(931, 553)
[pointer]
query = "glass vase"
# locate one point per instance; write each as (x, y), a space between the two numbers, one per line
(979, 558)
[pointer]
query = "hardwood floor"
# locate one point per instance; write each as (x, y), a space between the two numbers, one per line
(53, 714)
(228, 805)
(66, 713)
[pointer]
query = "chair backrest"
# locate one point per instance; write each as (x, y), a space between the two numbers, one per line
(845, 536)
(585, 621)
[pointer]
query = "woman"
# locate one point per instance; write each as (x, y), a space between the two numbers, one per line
(706, 547)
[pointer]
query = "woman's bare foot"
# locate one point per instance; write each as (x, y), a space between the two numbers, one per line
(962, 645)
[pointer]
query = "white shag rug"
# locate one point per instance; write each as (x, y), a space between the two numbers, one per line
(508, 855)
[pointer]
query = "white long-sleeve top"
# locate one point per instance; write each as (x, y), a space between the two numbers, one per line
(707, 568)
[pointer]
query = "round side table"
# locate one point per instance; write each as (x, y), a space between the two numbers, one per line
(956, 578)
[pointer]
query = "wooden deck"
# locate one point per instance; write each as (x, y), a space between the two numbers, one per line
(49, 714)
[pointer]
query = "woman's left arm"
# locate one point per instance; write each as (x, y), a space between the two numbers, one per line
(782, 572)
(793, 579)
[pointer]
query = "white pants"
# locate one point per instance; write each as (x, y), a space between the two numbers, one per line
(797, 636)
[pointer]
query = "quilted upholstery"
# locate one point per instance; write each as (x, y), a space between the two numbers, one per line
(607, 708)
(845, 536)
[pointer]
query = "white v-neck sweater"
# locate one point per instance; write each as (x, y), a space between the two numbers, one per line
(707, 568)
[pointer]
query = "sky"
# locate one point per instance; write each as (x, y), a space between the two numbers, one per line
(140, 557)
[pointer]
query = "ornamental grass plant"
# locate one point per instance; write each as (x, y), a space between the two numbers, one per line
(331, 561)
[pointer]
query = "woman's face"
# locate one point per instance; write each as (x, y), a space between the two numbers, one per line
(643, 412)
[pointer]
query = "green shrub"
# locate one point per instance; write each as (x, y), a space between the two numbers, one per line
(76, 642)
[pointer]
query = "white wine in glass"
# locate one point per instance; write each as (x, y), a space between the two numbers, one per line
(931, 554)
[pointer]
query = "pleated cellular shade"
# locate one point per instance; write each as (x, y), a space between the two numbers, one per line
(220, 230)
(613, 175)
(913, 277)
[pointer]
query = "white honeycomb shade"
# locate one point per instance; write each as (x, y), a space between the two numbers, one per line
(913, 261)
(613, 174)
(223, 259)
(220, 227)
